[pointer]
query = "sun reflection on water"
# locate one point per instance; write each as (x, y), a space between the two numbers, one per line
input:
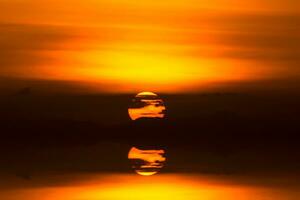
(146, 162)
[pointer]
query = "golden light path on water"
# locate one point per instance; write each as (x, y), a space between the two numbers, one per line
(134, 187)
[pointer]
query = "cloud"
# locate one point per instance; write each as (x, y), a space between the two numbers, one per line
(25, 45)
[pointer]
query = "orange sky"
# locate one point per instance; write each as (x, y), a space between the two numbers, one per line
(165, 46)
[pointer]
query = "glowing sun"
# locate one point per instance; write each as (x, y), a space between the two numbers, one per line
(146, 105)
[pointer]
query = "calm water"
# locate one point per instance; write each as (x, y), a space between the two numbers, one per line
(161, 186)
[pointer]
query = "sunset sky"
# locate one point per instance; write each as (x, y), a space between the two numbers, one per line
(164, 46)
(149, 99)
